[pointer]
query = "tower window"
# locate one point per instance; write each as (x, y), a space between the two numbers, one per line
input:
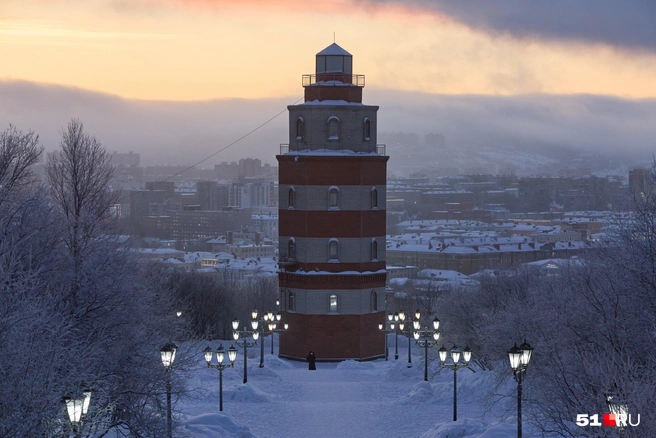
(291, 198)
(333, 198)
(333, 303)
(333, 128)
(291, 249)
(291, 301)
(300, 129)
(333, 250)
(374, 198)
(366, 127)
(374, 250)
(374, 301)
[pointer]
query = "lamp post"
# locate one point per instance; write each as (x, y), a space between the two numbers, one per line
(618, 407)
(426, 338)
(271, 322)
(77, 410)
(396, 335)
(519, 358)
(402, 328)
(168, 356)
(220, 355)
(236, 333)
(455, 365)
(383, 327)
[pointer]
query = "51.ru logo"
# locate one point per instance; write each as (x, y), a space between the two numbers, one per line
(614, 420)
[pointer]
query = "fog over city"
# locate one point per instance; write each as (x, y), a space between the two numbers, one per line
(168, 132)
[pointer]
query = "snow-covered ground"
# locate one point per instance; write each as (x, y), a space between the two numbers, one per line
(348, 399)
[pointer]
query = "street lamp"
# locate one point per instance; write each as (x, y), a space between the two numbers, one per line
(618, 407)
(271, 322)
(236, 333)
(168, 356)
(77, 410)
(519, 358)
(455, 365)
(383, 327)
(426, 338)
(220, 355)
(402, 326)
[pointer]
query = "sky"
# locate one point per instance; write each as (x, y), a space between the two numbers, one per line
(217, 49)
(377, 399)
(178, 80)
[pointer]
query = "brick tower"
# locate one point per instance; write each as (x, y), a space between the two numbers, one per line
(332, 178)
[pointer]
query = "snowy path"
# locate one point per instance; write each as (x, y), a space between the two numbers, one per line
(350, 399)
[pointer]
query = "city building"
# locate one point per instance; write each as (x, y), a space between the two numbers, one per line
(332, 191)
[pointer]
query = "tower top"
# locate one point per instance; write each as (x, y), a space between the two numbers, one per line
(333, 78)
(334, 49)
(334, 59)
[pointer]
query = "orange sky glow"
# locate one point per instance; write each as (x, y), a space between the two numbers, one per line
(204, 49)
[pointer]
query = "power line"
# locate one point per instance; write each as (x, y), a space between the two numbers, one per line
(228, 146)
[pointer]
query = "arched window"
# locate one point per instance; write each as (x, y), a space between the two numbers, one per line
(291, 198)
(366, 128)
(374, 198)
(300, 129)
(374, 250)
(374, 301)
(291, 249)
(291, 301)
(333, 303)
(333, 250)
(333, 198)
(333, 128)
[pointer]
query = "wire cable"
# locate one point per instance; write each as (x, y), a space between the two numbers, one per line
(228, 146)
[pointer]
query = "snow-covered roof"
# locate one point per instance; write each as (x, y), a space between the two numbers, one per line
(334, 49)
(332, 102)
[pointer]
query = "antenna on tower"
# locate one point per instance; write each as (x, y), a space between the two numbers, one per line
(333, 36)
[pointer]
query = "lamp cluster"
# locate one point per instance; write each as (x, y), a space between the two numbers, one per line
(220, 357)
(455, 364)
(271, 320)
(425, 337)
(456, 355)
(245, 334)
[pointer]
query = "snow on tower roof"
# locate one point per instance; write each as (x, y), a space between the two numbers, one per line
(334, 49)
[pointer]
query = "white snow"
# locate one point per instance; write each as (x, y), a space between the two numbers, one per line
(332, 102)
(346, 399)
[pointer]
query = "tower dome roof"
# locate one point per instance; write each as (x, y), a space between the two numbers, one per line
(334, 49)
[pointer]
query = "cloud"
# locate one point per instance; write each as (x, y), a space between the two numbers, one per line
(627, 24)
(186, 132)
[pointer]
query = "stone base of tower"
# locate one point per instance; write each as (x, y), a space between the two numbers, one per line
(333, 337)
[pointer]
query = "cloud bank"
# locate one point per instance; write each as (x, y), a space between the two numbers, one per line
(186, 132)
(627, 24)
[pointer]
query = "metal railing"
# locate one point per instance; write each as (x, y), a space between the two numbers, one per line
(286, 148)
(333, 79)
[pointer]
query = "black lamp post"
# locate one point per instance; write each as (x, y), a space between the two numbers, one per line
(168, 356)
(426, 338)
(455, 365)
(384, 328)
(403, 327)
(77, 410)
(220, 355)
(519, 358)
(245, 334)
(393, 326)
